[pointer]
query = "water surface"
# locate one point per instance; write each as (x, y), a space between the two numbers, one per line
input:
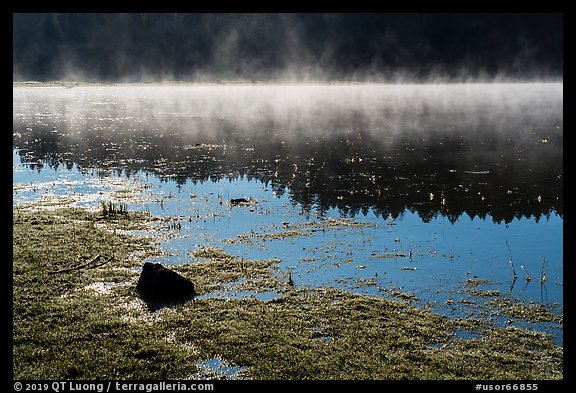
(377, 189)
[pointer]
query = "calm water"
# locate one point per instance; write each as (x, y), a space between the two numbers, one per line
(389, 188)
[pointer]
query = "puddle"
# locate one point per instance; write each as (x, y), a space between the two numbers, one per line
(324, 339)
(219, 368)
(462, 334)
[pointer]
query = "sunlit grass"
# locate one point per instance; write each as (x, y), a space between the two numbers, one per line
(91, 324)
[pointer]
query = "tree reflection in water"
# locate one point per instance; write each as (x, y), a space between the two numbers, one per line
(486, 153)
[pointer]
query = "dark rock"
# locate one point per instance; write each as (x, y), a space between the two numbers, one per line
(156, 283)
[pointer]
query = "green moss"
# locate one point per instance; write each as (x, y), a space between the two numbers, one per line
(215, 269)
(91, 324)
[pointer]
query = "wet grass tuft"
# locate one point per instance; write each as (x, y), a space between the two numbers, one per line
(112, 209)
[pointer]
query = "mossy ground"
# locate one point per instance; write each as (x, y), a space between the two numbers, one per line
(91, 324)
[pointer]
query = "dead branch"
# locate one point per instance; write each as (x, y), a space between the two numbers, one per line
(84, 265)
(510, 261)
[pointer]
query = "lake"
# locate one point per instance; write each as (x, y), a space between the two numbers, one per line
(419, 192)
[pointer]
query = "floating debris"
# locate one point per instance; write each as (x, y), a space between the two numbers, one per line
(476, 282)
(404, 295)
(242, 201)
(489, 293)
(389, 255)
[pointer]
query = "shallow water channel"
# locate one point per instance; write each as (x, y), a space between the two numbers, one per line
(417, 192)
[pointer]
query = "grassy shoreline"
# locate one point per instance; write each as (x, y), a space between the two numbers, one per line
(89, 323)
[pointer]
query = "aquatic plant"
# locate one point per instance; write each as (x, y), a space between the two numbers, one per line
(110, 208)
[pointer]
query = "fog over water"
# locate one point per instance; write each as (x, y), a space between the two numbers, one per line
(387, 109)
(375, 133)
(440, 176)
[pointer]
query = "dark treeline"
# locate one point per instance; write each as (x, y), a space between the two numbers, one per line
(152, 47)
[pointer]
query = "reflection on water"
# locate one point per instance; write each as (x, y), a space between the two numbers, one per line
(391, 188)
(493, 150)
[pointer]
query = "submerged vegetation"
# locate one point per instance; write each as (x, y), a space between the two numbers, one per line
(531, 312)
(90, 323)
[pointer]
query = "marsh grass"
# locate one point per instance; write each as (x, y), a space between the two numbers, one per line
(112, 209)
(301, 230)
(64, 328)
(532, 312)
